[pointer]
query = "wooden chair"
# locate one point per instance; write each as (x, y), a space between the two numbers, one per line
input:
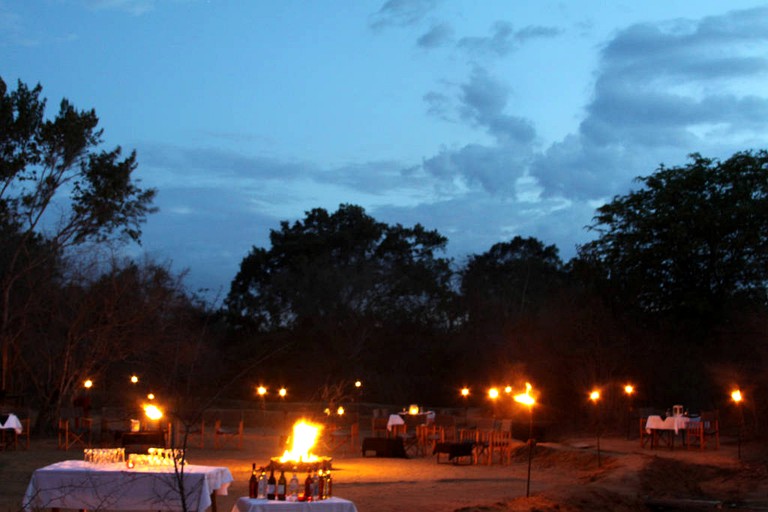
(71, 435)
(345, 437)
(500, 444)
(18, 439)
(223, 435)
(379, 427)
(195, 433)
(698, 432)
(469, 435)
(409, 437)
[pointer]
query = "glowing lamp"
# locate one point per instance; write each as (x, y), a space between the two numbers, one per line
(594, 396)
(340, 411)
(261, 391)
(465, 392)
(736, 396)
(358, 384)
(493, 393)
(134, 379)
(282, 392)
(629, 389)
(526, 398)
(153, 412)
(413, 409)
(88, 384)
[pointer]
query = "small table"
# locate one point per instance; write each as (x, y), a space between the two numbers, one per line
(9, 421)
(75, 484)
(385, 447)
(665, 429)
(333, 504)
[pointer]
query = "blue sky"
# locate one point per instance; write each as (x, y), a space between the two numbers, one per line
(481, 119)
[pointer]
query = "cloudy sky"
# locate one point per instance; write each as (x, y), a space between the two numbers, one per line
(481, 119)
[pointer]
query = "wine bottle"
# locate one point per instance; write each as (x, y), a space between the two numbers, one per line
(293, 487)
(253, 483)
(320, 485)
(315, 486)
(308, 487)
(328, 484)
(262, 491)
(281, 485)
(271, 484)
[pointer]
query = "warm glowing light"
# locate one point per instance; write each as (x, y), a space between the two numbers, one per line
(594, 395)
(282, 392)
(413, 409)
(304, 436)
(358, 384)
(736, 396)
(493, 393)
(629, 389)
(151, 396)
(526, 398)
(261, 390)
(465, 392)
(88, 384)
(134, 379)
(153, 412)
(340, 411)
(508, 389)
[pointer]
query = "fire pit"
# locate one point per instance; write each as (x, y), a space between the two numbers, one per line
(299, 456)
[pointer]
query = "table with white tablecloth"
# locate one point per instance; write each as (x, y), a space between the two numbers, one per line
(10, 427)
(81, 485)
(665, 429)
(333, 504)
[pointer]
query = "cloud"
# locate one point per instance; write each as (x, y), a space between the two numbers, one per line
(484, 100)
(504, 39)
(661, 92)
(398, 13)
(440, 34)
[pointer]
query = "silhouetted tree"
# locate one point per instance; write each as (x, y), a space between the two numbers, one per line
(57, 191)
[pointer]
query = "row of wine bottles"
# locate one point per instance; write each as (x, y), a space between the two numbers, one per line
(317, 486)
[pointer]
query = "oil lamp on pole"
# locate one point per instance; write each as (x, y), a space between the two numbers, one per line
(493, 394)
(527, 399)
(629, 390)
(595, 397)
(737, 398)
(465, 397)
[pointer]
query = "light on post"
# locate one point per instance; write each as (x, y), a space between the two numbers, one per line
(528, 399)
(595, 397)
(737, 397)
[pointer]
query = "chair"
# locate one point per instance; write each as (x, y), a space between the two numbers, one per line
(25, 426)
(646, 438)
(74, 431)
(700, 432)
(409, 437)
(500, 444)
(379, 427)
(223, 435)
(472, 435)
(195, 432)
(344, 437)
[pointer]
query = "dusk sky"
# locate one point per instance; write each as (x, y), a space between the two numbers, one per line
(481, 119)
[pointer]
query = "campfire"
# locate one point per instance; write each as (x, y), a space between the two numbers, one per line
(299, 456)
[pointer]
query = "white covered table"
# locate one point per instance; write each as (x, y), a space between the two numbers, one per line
(262, 505)
(74, 484)
(665, 429)
(11, 422)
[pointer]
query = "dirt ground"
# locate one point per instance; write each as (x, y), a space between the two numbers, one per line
(565, 476)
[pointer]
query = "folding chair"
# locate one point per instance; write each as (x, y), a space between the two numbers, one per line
(223, 435)
(69, 435)
(25, 426)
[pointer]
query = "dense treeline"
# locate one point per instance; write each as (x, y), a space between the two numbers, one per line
(670, 295)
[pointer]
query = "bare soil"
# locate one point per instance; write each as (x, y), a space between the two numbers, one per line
(565, 476)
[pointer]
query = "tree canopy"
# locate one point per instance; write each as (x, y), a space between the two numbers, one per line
(57, 190)
(692, 239)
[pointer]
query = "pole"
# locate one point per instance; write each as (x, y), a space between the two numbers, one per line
(531, 442)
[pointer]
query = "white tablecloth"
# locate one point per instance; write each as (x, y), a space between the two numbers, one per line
(76, 484)
(397, 419)
(261, 505)
(12, 422)
(675, 423)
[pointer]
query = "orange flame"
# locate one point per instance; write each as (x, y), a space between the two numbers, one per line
(526, 398)
(304, 437)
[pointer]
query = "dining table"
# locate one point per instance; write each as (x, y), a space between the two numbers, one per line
(10, 427)
(665, 429)
(80, 485)
(332, 504)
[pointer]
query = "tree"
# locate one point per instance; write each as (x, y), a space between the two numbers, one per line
(337, 281)
(57, 191)
(692, 240)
